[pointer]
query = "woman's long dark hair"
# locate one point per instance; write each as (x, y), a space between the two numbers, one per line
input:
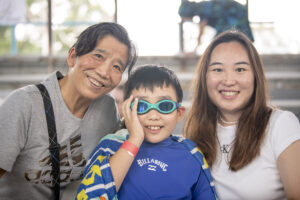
(201, 120)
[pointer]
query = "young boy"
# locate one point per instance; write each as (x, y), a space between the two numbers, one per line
(145, 161)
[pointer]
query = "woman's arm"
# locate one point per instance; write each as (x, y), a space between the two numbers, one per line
(289, 169)
(15, 115)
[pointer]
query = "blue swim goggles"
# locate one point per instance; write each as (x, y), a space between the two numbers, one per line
(165, 106)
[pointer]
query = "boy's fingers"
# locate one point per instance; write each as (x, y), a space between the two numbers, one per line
(134, 107)
(125, 105)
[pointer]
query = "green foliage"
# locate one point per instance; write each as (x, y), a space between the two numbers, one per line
(26, 47)
(5, 39)
(69, 18)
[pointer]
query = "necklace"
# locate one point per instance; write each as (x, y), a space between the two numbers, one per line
(225, 148)
(227, 122)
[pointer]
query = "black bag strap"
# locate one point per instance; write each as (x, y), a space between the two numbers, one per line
(53, 145)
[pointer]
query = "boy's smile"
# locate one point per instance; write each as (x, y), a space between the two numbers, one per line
(158, 126)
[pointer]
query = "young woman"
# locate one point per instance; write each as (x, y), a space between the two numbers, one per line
(82, 110)
(252, 148)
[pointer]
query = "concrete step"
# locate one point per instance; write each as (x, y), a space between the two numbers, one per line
(280, 103)
(179, 63)
(284, 86)
(185, 77)
(282, 72)
(292, 103)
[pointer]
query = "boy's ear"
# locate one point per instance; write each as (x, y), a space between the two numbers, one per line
(72, 57)
(180, 113)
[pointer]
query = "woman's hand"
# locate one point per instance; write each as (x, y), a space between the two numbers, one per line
(135, 129)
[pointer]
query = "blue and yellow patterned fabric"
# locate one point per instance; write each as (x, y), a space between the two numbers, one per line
(98, 183)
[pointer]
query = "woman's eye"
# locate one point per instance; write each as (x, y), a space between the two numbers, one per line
(98, 55)
(117, 67)
(217, 70)
(240, 69)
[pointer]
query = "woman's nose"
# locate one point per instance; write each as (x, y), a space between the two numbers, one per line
(104, 69)
(229, 79)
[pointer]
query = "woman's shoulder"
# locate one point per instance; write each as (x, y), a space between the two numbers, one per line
(283, 122)
(283, 116)
(105, 104)
(23, 94)
(283, 130)
(107, 98)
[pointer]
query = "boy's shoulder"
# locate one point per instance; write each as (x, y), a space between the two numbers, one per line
(199, 156)
(187, 142)
(120, 135)
(192, 148)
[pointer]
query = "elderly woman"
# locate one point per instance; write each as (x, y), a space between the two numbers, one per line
(78, 114)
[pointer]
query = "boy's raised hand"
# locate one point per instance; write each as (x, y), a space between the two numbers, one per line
(136, 137)
(135, 129)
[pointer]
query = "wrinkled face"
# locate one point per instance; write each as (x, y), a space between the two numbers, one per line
(230, 79)
(158, 126)
(98, 72)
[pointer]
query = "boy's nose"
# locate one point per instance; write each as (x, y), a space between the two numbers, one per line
(153, 114)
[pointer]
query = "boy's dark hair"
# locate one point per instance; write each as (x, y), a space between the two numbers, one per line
(149, 76)
(87, 40)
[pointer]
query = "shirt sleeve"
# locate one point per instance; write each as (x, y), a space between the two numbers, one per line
(284, 130)
(204, 188)
(14, 122)
(97, 179)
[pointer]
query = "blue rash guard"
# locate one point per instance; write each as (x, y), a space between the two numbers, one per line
(172, 169)
(165, 170)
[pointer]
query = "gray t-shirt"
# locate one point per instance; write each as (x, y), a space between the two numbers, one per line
(24, 139)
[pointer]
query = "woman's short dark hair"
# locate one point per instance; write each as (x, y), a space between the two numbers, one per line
(88, 39)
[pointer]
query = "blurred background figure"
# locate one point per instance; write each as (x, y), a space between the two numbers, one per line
(218, 14)
(118, 94)
(12, 12)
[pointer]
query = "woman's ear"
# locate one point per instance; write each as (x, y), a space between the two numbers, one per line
(72, 57)
(180, 113)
